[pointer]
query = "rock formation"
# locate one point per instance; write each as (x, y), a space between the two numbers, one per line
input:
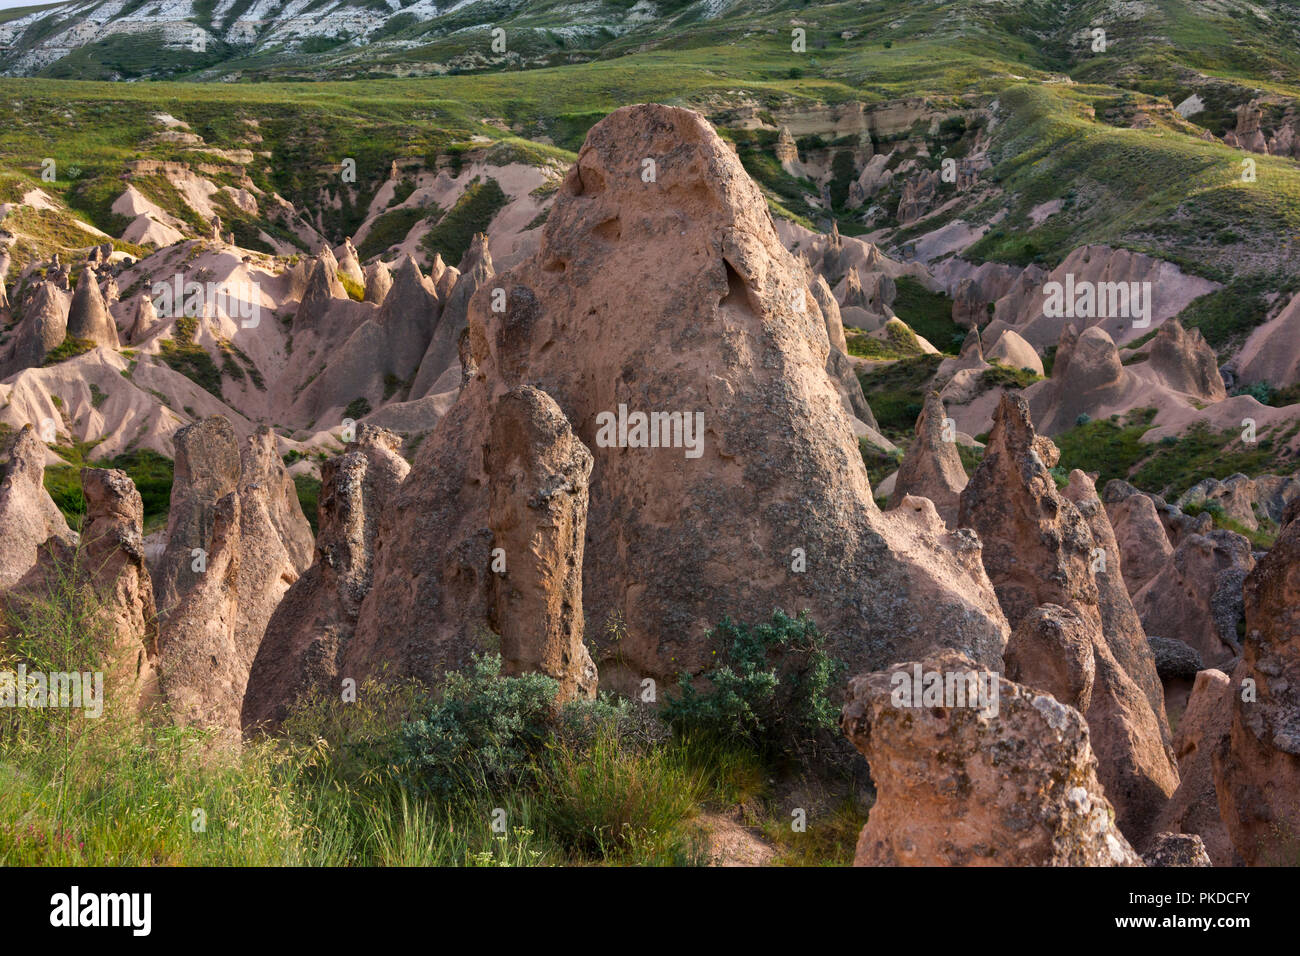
(206, 470)
(1043, 547)
(312, 626)
(1257, 767)
(112, 539)
(28, 515)
(676, 536)
(1186, 362)
(960, 786)
(1197, 594)
(44, 325)
(538, 472)
(932, 467)
(275, 540)
(88, 316)
(1194, 807)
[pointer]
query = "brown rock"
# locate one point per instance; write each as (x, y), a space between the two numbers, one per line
(1186, 362)
(28, 515)
(206, 469)
(202, 671)
(311, 627)
(43, 326)
(1144, 548)
(673, 542)
(1051, 650)
(88, 316)
(957, 786)
(1177, 849)
(1196, 598)
(1194, 807)
(1257, 768)
(932, 467)
(112, 540)
(378, 281)
(1043, 547)
(538, 475)
(275, 541)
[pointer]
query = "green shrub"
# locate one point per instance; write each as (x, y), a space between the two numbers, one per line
(484, 732)
(770, 689)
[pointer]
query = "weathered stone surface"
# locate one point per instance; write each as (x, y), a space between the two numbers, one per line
(311, 627)
(1044, 547)
(201, 671)
(88, 316)
(1177, 849)
(1186, 362)
(1144, 548)
(28, 515)
(207, 467)
(112, 539)
(275, 540)
(1257, 767)
(1051, 650)
(957, 786)
(932, 467)
(1196, 598)
(1194, 807)
(673, 542)
(539, 473)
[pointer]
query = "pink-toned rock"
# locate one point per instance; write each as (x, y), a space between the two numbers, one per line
(958, 785)
(1051, 650)
(1194, 807)
(1186, 362)
(932, 467)
(1144, 547)
(88, 316)
(1257, 768)
(539, 473)
(309, 629)
(112, 540)
(28, 515)
(1044, 547)
(677, 536)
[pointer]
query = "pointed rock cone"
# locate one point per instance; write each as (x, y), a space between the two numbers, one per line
(765, 467)
(378, 281)
(932, 467)
(440, 368)
(44, 325)
(310, 627)
(28, 515)
(1044, 547)
(145, 319)
(348, 263)
(1186, 362)
(447, 282)
(318, 297)
(88, 316)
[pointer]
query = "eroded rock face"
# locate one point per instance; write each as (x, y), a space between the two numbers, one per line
(1087, 375)
(207, 467)
(112, 539)
(676, 536)
(43, 327)
(275, 540)
(1177, 849)
(202, 671)
(28, 515)
(1197, 596)
(1257, 768)
(1051, 650)
(1194, 807)
(378, 281)
(1144, 546)
(440, 368)
(539, 473)
(88, 316)
(932, 467)
(312, 625)
(958, 786)
(1043, 547)
(1186, 362)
